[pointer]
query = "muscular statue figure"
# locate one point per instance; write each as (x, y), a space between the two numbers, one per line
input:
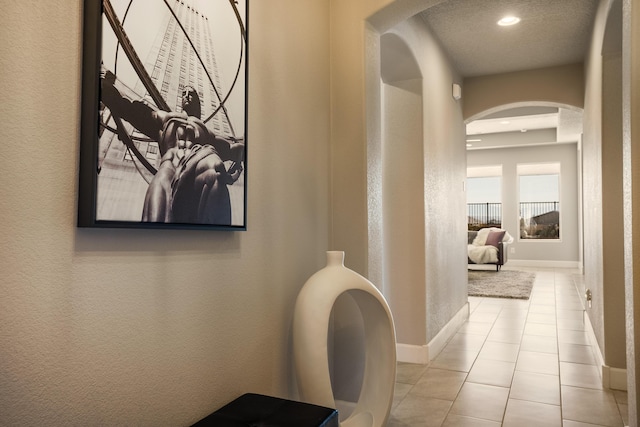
(190, 185)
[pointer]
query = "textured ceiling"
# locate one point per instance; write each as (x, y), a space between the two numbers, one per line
(552, 32)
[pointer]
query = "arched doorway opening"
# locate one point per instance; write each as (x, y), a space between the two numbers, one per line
(528, 143)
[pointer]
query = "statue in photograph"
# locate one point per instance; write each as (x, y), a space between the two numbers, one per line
(190, 185)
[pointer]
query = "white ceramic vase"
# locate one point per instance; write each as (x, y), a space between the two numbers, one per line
(311, 330)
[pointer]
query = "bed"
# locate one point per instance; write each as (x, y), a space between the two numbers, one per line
(488, 246)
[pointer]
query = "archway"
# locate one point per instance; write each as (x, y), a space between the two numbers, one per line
(539, 138)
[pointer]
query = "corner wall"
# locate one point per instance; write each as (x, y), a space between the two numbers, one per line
(613, 210)
(602, 200)
(355, 174)
(429, 165)
(403, 209)
(444, 160)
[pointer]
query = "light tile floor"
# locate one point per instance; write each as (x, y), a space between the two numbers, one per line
(513, 363)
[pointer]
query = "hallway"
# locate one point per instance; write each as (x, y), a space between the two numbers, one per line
(514, 363)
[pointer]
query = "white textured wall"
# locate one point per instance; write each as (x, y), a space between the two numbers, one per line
(613, 213)
(592, 174)
(443, 175)
(404, 225)
(631, 179)
(152, 327)
(356, 116)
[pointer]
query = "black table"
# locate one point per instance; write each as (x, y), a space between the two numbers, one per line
(257, 410)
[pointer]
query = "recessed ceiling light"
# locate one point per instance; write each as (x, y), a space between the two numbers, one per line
(469, 145)
(474, 140)
(508, 20)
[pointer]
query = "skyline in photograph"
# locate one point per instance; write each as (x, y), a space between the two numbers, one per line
(226, 41)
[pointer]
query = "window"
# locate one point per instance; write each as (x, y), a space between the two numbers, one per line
(539, 207)
(484, 197)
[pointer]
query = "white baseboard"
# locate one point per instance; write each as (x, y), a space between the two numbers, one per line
(612, 378)
(595, 347)
(442, 338)
(542, 263)
(423, 354)
(412, 353)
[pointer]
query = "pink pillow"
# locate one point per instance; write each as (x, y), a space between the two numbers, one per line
(495, 237)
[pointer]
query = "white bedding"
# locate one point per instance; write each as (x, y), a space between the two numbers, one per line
(482, 254)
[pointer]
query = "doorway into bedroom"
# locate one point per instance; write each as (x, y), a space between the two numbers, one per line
(524, 176)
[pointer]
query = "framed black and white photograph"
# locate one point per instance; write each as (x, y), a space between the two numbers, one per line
(163, 126)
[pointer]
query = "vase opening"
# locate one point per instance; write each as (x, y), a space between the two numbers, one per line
(335, 258)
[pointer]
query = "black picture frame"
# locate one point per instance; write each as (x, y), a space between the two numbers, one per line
(145, 162)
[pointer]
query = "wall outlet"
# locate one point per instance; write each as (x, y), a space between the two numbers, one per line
(512, 250)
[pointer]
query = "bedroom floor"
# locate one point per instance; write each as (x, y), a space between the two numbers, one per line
(513, 363)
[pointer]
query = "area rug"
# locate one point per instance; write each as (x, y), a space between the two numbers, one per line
(501, 284)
